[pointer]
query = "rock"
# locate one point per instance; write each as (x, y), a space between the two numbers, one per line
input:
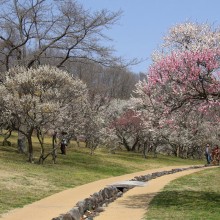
(88, 203)
(119, 194)
(57, 218)
(100, 209)
(104, 205)
(81, 206)
(74, 212)
(67, 216)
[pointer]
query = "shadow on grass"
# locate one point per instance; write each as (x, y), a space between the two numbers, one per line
(8, 149)
(173, 198)
(191, 204)
(188, 199)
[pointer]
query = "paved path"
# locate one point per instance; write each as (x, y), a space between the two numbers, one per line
(133, 205)
(130, 206)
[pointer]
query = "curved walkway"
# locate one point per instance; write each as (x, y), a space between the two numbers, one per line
(131, 205)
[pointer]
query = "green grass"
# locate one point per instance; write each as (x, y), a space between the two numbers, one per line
(23, 183)
(192, 197)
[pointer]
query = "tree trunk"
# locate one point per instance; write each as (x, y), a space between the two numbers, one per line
(155, 150)
(21, 143)
(22, 138)
(133, 148)
(92, 150)
(124, 142)
(145, 150)
(78, 143)
(54, 145)
(30, 146)
(40, 138)
(41, 158)
(7, 135)
(178, 151)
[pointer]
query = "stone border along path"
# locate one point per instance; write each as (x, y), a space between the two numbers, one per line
(92, 206)
(123, 208)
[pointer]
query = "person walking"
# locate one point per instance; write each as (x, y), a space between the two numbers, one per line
(63, 146)
(208, 153)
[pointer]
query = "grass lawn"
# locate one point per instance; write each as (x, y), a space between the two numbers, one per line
(192, 197)
(23, 183)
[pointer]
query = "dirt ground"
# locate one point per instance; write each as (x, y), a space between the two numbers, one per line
(132, 205)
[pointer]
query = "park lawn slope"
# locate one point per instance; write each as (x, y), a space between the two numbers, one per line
(22, 183)
(195, 196)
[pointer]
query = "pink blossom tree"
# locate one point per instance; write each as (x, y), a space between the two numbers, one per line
(182, 84)
(128, 129)
(186, 78)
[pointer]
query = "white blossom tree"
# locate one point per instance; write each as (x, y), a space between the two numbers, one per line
(58, 33)
(40, 99)
(188, 36)
(192, 36)
(115, 109)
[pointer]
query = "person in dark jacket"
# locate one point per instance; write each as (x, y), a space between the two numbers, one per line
(63, 146)
(208, 153)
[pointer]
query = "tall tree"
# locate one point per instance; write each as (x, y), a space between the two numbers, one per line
(187, 78)
(41, 99)
(35, 32)
(59, 33)
(188, 36)
(182, 82)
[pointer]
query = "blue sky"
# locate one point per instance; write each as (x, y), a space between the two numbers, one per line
(144, 23)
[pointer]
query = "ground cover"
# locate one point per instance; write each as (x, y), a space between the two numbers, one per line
(192, 197)
(23, 183)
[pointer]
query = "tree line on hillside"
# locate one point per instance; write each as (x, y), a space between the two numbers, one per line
(37, 36)
(57, 76)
